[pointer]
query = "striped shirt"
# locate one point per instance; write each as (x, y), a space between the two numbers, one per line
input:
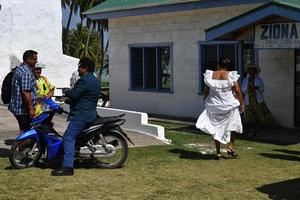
(23, 79)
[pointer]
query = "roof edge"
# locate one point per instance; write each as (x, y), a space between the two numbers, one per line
(171, 7)
(252, 16)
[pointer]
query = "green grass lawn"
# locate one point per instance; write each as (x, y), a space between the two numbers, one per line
(184, 170)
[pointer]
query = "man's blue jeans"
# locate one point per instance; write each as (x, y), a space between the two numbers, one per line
(73, 130)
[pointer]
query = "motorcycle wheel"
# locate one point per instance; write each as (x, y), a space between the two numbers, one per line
(25, 153)
(120, 151)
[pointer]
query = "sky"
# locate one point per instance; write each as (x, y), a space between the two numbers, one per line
(74, 20)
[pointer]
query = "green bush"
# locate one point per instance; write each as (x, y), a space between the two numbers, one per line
(105, 84)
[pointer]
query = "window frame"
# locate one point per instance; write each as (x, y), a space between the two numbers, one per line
(158, 75)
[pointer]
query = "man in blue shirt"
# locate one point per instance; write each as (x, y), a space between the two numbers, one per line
(84, 98)
(24, 95)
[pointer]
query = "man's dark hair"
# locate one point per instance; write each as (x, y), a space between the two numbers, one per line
(86, 62)
(29, 54)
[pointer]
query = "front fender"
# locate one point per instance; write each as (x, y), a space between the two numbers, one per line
(28, 134)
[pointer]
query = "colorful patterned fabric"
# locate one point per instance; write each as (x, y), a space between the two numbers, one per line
(256, 113)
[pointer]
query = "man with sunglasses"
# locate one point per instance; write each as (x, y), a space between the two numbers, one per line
(83, 102)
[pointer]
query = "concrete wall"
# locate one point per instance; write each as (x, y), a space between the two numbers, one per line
(184, 30)
(36, 25)
(277, 72)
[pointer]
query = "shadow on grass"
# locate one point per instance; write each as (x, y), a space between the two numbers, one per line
(4, 153)
(57, 163)
(289, 189)
(268, 135)
(9, 142)
(288, 151)
(187, 128)
(281, 156)
(193, 155)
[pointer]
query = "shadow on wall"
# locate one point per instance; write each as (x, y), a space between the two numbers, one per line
(289, 189)
(14, 61)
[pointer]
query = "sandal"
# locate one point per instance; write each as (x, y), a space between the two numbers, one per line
(231, 153)
(218, 156)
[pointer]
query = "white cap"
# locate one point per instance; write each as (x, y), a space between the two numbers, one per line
(40, 65)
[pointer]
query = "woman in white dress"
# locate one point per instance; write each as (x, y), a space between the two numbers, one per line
(223, 104)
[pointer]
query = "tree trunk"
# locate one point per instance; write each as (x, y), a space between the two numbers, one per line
(68, 26)
(102, 53)
(88, 41)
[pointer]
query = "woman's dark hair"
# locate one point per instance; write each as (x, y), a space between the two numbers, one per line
(225, 62)
(29, 54)
(86, 62)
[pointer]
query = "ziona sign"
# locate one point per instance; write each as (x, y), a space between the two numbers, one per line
(277, 35)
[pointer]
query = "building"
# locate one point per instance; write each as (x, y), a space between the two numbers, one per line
(159, 50)
(34, 25)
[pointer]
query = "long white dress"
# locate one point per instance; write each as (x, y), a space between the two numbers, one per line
(221, 114)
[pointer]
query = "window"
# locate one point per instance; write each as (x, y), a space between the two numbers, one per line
(240, 53)
(151, 68)
(210, 53)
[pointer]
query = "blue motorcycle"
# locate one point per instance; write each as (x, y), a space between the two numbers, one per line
(103, 142)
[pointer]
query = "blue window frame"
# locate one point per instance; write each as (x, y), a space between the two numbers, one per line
(240, 53)
(151, 67)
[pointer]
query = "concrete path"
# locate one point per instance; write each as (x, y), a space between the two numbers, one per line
(9, 130)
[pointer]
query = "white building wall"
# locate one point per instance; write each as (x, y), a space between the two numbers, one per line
(37, 25)
(278, 74)
(184, 30)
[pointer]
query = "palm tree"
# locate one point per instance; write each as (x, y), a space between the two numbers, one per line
(74, 8)
(99, 25)
(86, 44)
(77, 40)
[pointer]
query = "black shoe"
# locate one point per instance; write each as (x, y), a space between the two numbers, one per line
(218, 156)
(63, 171)
(231, 153)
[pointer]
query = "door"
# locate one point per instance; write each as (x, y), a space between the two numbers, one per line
(297, 88)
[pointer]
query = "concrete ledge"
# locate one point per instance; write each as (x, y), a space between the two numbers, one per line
(135, 121)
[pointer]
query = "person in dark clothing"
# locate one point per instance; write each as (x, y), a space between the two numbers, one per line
(83, 102)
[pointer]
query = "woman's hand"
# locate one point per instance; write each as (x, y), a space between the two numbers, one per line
(242, 108)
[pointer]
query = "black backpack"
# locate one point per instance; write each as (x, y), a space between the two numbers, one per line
(6, 87)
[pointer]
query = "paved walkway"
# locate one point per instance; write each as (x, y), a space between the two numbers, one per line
(9, 130)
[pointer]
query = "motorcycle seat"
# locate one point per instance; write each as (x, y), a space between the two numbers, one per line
(106, 120)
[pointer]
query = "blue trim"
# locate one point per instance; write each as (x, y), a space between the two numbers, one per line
(251, 18)
(240, 53)
(151, 90)
(255, 56)
(144, 70)
(168, 8)
(29, 134)
(141, 45)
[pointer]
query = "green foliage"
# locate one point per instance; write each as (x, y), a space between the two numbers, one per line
(104, 83)
(77, 41)
(87, 39)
